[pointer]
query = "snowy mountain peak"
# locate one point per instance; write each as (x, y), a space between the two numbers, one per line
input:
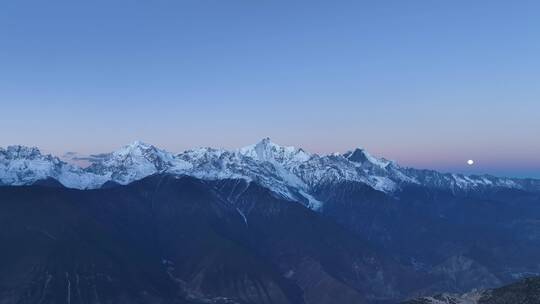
(263, 150)
(266, 150)
(137, 148)
(132, 162)
(138, 152)
(266, 141)
(21, 152)
(361, 156)
(357, 155)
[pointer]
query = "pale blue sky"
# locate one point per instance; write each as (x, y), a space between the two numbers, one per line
(427, 83)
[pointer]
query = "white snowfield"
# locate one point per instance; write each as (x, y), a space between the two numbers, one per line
(288, 171)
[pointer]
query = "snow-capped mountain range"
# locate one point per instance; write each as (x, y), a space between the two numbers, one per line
(288, 171)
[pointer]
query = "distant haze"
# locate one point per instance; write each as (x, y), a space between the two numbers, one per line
(430, 84)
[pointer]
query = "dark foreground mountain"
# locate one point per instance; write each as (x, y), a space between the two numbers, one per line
(526, 291)
(466, 241)
(168, 239)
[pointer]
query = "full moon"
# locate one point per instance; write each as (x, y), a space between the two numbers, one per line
(470, 162)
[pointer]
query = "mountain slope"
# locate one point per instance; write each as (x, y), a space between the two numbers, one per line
(171, 239)
(466, 242)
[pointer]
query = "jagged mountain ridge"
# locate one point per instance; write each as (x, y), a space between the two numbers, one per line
(288, 171)
(20, 165)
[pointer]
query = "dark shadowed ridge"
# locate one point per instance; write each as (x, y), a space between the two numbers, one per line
(167, 239)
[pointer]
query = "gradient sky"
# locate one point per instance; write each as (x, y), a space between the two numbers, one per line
(429, 84)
